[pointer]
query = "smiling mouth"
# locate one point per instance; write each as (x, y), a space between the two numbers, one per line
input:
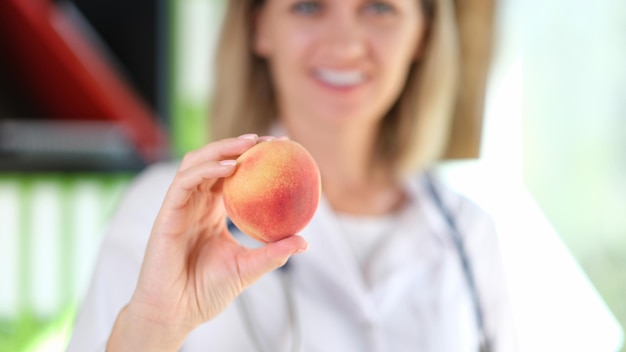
(340, 78)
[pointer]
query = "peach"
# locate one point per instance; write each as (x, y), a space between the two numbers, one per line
(274, 191)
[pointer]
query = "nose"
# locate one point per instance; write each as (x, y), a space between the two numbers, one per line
(344, 39)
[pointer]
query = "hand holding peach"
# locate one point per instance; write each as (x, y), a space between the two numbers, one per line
(193, 268)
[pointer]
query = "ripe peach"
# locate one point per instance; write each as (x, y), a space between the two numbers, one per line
(275, 190)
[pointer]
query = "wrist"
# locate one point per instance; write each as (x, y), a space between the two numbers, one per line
(133, 331)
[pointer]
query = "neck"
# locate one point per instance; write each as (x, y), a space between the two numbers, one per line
(351, 183)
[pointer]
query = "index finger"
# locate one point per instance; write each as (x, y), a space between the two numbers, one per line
(229, 148)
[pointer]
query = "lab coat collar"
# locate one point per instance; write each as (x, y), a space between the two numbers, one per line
(329, 263)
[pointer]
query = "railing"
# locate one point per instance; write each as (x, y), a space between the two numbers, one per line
(51, 226)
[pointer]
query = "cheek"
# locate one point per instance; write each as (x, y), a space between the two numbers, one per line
(292, 44)
(289, 60)
(393, 63)
(397, 52)
(394, 56)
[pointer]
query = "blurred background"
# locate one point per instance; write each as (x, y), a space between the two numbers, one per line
(93, 91)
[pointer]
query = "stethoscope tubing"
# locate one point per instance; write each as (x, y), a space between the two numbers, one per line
(459, 245)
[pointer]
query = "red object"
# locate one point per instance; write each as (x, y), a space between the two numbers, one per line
(68, 78)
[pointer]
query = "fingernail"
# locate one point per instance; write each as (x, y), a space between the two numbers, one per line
(251, 136)
(301, 250)
(228, 162)
(283, 138)
(267, 138)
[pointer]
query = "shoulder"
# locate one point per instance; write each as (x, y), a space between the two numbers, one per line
(154, 180)
(471, 219)
(148, 188)
(130, 224)
(454, 211)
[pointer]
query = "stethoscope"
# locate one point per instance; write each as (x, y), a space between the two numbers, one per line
(286, 281)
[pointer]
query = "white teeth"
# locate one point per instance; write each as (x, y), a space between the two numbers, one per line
(340, 78)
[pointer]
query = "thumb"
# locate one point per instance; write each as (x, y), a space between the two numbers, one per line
(271, 256)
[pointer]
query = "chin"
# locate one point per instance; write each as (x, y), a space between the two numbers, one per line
(350, 116)
(337, 110)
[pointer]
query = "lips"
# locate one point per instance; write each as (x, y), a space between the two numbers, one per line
(340, 78)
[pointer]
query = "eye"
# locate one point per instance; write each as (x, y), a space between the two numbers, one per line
(380, 8)
(306, 7)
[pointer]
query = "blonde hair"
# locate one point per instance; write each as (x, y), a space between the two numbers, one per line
(414, 132)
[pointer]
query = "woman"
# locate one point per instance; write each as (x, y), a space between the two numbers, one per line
(367, 87)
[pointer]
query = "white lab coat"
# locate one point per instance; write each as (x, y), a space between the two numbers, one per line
(420, 301)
